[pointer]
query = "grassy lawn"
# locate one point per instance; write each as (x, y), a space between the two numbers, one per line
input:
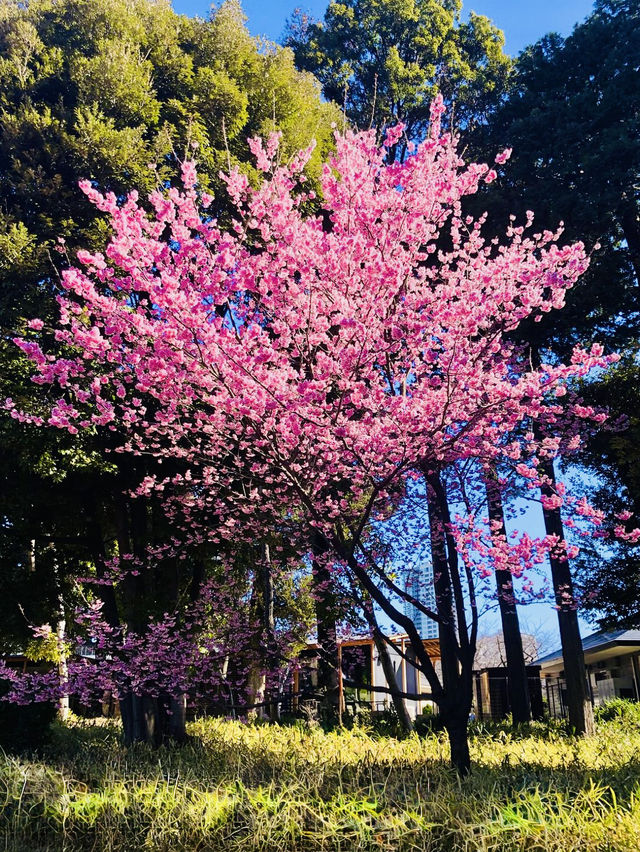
(261, 787)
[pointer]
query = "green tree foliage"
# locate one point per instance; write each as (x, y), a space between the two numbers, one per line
(609, 572)
(385, 59)
(115, 91)
(573, 121)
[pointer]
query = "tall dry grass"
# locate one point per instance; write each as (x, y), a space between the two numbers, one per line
(260, 787)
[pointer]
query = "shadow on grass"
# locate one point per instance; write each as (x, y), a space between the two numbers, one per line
(503, 759)
(263, 787)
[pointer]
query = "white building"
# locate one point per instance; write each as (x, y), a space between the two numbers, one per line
(612, 659)
(362, 680)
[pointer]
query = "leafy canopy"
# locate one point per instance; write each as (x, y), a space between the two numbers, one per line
(386, 59)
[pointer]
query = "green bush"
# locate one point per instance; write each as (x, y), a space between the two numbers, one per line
(619, 710)
(428, 722)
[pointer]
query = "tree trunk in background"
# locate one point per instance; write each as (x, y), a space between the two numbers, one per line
(518, 685)
(382, 647)
(256, 681)
(575, 672)
(63, 704)
(328, 662)
(269, 626)
(456, 649)
(256, 688)
(406, 723)
(264, 651)
(61, 647)
(105, 592)
(145, 718)
(130, 705)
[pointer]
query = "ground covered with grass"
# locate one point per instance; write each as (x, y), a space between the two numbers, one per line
(263, 787)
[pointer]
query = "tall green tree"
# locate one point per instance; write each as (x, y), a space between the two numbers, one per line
(386, 59)
(572, 118)
(117, 92)
(573, 121)
(609, 570)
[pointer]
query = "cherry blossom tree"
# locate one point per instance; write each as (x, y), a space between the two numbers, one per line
(326, 362)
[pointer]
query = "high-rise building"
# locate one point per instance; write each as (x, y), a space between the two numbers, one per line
(419, 584)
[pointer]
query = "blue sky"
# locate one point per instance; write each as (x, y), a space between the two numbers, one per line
(523, 21)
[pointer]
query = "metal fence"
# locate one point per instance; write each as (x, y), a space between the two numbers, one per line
(491, 694)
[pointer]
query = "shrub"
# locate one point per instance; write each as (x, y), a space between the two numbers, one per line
(619, 710)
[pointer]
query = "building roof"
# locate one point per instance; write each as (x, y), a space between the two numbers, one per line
(598, 646)
(431, 646)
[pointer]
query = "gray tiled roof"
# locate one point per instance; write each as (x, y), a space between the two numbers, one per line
(601, 639)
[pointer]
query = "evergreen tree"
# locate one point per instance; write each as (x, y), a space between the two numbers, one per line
(573, 121)
(386, 59)
(117, 92)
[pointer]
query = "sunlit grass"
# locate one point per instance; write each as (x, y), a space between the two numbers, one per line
(262, 787)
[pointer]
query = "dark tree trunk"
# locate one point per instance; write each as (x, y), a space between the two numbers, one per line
(264, 652)
(145, 718)
(456, 726)
(153, 720)
(99, 556)
(575, 672)
(197, 577)
(165, 719)
(456, 646)
(453, 691)
(136, 720)
(176, 719)
(130, 712)
(269, 624)
(518, 685)
(328, 658)
(132, 718)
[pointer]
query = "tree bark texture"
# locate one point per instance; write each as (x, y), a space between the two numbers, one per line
(456, 647)
(518, 685)
(328, 660)
(578, 692)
